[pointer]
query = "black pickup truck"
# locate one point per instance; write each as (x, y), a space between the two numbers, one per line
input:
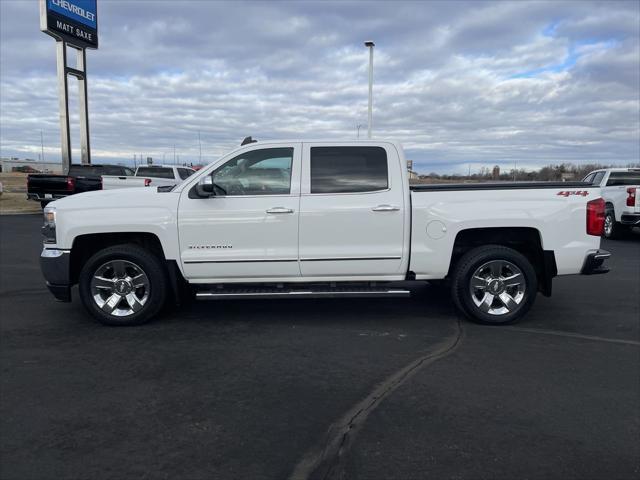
(45, 188)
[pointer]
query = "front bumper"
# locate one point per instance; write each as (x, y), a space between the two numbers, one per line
(55, 266)
(593, 263)
(630, 219)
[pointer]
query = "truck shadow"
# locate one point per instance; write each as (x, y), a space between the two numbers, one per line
(426, 304)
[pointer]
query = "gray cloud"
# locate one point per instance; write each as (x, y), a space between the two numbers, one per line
(458, 82)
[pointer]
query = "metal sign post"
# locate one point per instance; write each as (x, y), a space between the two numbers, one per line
(72, 23)
(369, 44)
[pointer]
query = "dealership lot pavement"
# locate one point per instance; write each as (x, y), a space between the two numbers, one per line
(338, 388)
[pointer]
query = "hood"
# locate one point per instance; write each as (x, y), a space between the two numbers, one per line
(126, 197)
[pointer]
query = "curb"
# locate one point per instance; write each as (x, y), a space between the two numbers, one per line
(17, 212)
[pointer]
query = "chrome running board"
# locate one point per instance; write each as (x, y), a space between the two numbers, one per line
(256, 293)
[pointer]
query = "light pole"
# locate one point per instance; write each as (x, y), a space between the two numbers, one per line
(42, 148)
(369, 44)
(358, 127)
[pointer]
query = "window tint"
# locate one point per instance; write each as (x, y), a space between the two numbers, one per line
(589, 178)
(598, 178)
(157, 172)
(258, 172)
(96, 170)
(348, 169)
(623, 178)
(184, 173)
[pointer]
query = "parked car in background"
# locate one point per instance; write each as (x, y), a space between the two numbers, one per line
(25, 169)
(319, 219)
(45, 187)
(619, 187)
(149, 176)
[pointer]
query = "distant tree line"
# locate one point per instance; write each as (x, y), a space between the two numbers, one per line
(564, 171)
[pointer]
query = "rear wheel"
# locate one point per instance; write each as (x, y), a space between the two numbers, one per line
(43, 204)
(494, 285)
(613, 229)
(123, 285)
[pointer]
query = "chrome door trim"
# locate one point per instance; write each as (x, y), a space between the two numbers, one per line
(250, 260)
(340, 259)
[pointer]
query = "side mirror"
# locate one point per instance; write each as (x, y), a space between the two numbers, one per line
(204, 188)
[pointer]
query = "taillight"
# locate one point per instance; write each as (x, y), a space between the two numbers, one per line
(71, 184)
(147, 182)
(595, 217)
(631, 199)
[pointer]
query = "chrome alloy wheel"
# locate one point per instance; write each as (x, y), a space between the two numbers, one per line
(497, 287)
(608, 225)
(120, 288)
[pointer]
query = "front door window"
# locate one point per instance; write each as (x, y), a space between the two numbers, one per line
(257, 172)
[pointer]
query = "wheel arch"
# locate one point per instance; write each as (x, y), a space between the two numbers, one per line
(525, 240)
(84, 246)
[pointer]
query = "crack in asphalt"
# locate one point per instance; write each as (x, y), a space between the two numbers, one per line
(559, 333)
(326, 461)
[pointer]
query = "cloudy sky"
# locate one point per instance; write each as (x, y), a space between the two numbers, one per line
(459, 83)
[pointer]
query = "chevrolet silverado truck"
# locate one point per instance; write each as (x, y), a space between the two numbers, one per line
(149, 176)
(619, 187)
(46, 187)
(319, 219)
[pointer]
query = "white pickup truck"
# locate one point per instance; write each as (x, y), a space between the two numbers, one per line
(148, 176)
(318, 219)
(619, 188)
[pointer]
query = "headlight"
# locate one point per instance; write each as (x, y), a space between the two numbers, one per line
(49, 227)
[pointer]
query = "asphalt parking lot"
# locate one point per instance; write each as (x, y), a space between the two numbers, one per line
(353, 389)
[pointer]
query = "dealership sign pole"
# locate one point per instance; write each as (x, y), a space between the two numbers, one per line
(72, 23)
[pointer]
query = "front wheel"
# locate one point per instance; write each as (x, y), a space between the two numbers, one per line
(123, 285)
(494, 285)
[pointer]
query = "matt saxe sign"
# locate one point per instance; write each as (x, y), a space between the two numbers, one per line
(75, 21)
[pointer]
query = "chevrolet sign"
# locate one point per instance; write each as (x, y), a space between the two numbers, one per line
(74, 21)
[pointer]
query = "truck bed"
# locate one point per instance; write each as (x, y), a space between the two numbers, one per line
(496, 186)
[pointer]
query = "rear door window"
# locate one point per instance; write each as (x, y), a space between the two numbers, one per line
(598, 178)
(185, 173)
(348, 169)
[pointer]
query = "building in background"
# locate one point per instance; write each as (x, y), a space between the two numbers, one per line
(412, 175)
(14, 164)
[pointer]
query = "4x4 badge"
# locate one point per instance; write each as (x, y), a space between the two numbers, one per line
(566, 193)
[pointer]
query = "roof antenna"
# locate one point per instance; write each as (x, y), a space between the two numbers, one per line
(248, 140)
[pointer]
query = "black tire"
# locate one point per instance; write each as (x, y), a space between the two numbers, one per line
(612, 229)
(489, 313)
(129, 254)
(43, 204)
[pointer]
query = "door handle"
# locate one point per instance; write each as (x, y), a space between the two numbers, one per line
(280, 210)
(385, 208)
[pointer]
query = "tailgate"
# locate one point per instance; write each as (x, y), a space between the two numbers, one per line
(47, 184)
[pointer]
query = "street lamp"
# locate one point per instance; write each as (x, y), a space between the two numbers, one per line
(369, 44)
